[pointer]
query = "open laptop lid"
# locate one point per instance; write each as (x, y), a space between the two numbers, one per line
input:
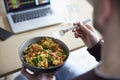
(19, 5)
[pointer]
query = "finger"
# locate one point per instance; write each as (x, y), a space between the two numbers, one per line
(75, 34)
(78, 32)
(76, 23)
(73, 30)
(78, 35)
(83, 37)
(80, 27)
(85, 29)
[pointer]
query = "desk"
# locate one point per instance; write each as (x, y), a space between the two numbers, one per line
(9, 59)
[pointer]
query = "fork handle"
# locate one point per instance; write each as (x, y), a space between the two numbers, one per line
(74, 26)
(71, 28)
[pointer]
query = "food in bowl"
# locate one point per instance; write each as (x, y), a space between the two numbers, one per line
(44, 53)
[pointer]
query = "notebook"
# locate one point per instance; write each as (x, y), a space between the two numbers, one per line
(24, 15)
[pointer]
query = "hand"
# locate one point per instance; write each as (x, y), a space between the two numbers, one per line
(87, 34)
(42, 76)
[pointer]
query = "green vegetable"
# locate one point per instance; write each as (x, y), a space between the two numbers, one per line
(35, 61)
(39, 58)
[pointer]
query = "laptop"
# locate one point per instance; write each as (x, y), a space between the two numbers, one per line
(24, 15)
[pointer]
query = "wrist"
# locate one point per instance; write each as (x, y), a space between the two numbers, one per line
(96, 50)
(93, 43)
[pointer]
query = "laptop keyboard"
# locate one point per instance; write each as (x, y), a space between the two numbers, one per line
(32, 14)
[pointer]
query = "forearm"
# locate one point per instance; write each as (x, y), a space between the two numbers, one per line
(96, 50)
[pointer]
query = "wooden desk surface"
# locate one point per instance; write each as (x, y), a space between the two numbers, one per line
(9, 59)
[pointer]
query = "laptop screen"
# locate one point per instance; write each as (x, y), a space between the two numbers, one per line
(18, 5)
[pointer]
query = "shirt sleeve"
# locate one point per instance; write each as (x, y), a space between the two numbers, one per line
(96, 50)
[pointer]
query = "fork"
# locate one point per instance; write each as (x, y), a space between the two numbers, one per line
(61, 33)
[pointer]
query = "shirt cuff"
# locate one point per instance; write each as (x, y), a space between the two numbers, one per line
(96, 50)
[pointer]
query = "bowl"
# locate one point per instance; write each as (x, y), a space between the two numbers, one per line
(38, 69)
